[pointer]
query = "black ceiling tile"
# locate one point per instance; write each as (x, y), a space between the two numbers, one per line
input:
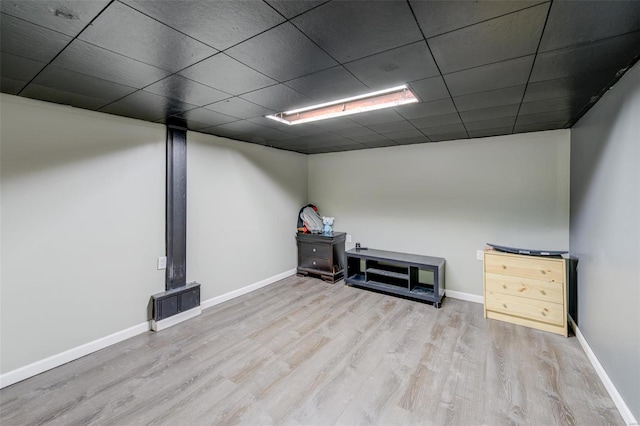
(380, 144)
(267, 122)
(242, 127)
(509, 73)
(355, 131)
(448, 136)
(335, 124)
(101, 63)
(77, 89)
(395, 67)
(437, 17)
(274, 135)
(483, 133)
(220, 24)
(30, 41)
(397, 126)
(329, 85)
(352, 30)
(279, 98)
(201, 118)
(426, 109)
(291, 8)
(376, 117)
(16, 71)
(50, 94)
(429, 89)
(124, 30)
(444, 130)
(185, 90)
(224, 73)
(218, 131)
(490, 113)
(539, 127)
(615, 52)
(518, 35)
(490, 124)
(369, 138)
(353, 147)
(304, 129)
(282, 53)
(65, 16)
(577, 84)
(438, 120)
(546, 117)
(490, 98)
(572, 103)
(576, 22)
(327, 139)
(405, 134)
(146, 106)
(237, 107)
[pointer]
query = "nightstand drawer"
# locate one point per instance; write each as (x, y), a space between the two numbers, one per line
(316, 263)
(315, 250)
(525, 287)
(537, 310)
(526, 267)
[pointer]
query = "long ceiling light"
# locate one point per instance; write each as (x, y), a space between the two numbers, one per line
(386, 98)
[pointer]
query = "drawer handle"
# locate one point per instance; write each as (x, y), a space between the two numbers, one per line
(314, 262)
(504, 305)
(544, 293)
(544, 312)
(314, 250)
(504, 286)
(522, 289)
(543, 272)
(504, 267)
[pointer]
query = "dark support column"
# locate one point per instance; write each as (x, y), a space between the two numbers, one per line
(176, 229)
(179, 296)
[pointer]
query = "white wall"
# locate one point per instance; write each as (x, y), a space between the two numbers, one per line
(82, 225)
(448, 199)
(242, 205)
(605, 232)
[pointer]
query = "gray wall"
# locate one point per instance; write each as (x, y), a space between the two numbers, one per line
(449, 199)
(242, 204)
(82, 225)
(605, 232)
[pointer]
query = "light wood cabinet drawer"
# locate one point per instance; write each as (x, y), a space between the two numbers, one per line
(538, 310)
(525, 287)
(529, 267)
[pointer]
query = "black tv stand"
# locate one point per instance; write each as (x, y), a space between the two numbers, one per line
(401, 274)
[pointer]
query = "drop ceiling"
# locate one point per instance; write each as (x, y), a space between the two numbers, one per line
(479, 68)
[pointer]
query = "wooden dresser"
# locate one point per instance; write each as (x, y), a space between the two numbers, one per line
(321, 255)
(526, 290)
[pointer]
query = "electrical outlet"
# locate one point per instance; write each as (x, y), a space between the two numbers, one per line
(479, 254)
(162, 262)
(348, 238)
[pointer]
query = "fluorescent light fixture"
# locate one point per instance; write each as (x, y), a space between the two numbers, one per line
(386, 98)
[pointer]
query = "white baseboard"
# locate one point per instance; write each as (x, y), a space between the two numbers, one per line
(244, 290)
(625, 412)
(72, 354)
(175, 319)
(22, 373)
(464, 296)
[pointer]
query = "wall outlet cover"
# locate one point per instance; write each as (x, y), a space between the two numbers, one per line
(479, 254)
(348, 238)
(162, 262)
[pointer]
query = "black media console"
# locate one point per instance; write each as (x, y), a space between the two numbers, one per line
(408, 275)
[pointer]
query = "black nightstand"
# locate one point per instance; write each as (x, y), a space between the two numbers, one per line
(321, 255)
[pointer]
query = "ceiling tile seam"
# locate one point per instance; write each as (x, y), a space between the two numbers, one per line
(169, 26)
(533, 64)
(489, 19)
(301, 13)
(415, 18)
(65, 47)
(482, 93)
(484, 65)
(590, 42)
(601, 93)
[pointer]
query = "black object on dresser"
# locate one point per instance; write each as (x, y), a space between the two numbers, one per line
(400, 274)
(321, 255)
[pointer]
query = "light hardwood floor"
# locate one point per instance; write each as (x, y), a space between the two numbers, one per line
(303, 352)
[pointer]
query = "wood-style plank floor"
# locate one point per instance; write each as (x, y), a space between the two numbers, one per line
(303, 352)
